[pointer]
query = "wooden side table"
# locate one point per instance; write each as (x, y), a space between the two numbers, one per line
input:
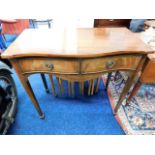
(77, 55)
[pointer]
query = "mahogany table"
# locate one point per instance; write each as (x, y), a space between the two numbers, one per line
(76, 55)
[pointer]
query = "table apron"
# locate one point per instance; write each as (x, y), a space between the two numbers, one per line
(68, 66)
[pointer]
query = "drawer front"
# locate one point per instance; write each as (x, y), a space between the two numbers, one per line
(110, 63)
(49, 65)
(112, 22)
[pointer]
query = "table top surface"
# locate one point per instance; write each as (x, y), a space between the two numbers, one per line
(76, 43)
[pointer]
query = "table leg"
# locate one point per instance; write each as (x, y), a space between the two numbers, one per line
(129, 82)
(134, 92)
(125, 91)
(31, 94)
(25, 82)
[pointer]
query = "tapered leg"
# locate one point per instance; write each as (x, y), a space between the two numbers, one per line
(81, 84)
(129, 82)
(89, 87)
(60, 85)
(82, 87)
(28, 89)
(97, 85)
(92, 87)
(125, 91)
(52, 84)
(69, 88)
(30, 92)
(44, 82)
(108, 80)
(134, 92)
(72, 85)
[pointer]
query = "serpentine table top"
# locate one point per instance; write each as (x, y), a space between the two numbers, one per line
(78, 43)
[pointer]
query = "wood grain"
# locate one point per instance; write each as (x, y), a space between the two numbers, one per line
(75, 43)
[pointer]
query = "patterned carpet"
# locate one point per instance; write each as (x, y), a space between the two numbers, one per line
(139, 116)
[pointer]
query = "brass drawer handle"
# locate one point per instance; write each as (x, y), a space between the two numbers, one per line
(49, 66)
(111, 20)
(110, 64)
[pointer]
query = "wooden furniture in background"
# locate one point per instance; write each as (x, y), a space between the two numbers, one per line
(112, 23)
(149, 23)
(77, 55)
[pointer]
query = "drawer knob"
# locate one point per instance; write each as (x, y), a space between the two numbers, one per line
(49, 66)
(110, 64)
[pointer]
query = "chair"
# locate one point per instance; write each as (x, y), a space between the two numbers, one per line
(35, 22)
(15, 27)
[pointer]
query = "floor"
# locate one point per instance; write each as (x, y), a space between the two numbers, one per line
(65, 115)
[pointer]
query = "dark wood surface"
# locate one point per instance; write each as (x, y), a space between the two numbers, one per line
(112, 23)
(77, 43)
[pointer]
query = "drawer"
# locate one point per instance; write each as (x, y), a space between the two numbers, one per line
(112, 22)
(109, 63)
(49, 65)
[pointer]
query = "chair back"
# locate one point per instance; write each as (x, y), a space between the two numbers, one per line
(15, 27)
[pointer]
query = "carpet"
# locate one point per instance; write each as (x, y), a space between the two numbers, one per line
(78, 115)
(139, 116)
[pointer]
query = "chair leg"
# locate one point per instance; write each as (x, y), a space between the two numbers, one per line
(108, 80)
(92, 87)
(72, 85)
(52, 84)
(89, 87)
(45, 83)
(49, 25)
(60, 86)
(69, 88)
(4, 41)
(81, 87)
(97, 85)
